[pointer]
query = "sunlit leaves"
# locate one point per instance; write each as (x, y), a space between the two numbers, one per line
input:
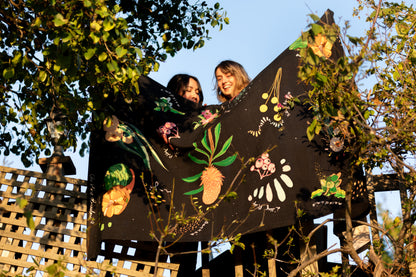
(377, 124)
(108, 24)
(121, 51)
(8, 73)
(90, 53)
(74, 54)
(59, 20)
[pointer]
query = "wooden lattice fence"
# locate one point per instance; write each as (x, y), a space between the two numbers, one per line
(58, 206)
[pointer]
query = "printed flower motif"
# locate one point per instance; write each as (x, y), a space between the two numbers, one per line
(321, 47)
(272, 96)
(330, 186)
(164, 105)
(208, 117)
(115, 201)
(264, 166)
(205, 117)
(114, 132)
(168, 131)
(119, 181)
(211, 180)
(129, 138)
(336, 144)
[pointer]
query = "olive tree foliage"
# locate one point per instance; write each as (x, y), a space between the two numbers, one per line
(66, 57)
(364, 104)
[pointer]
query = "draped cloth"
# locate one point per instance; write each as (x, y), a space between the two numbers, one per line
(243, 166)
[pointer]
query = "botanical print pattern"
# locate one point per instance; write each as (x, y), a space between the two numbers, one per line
(265, 167)
(119, 182)
(129, 138)
(336, 142)
(211, 177)
(164, 104)
(330, 186)
(168, 131)
(263, 121)
(280, 108)
(205, 117)
(265, 126)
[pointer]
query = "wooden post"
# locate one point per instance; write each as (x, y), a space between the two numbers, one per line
(205, 264)
(238, 262)
(272, 267)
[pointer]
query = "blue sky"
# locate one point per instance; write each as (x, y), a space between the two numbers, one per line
(258, 32)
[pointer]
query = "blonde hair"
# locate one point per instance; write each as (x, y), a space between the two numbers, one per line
(237, 70)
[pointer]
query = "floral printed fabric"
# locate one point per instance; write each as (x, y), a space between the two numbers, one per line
(186, 158)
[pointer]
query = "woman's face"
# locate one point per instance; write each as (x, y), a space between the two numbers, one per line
(191, 91)
(226, 83)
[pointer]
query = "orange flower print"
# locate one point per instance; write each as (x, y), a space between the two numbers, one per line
(115, 201)
(321, 47)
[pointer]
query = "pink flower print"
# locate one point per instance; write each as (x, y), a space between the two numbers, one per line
(208, 117)
(264, 166)
(206, 113)
(168, 131)
(205, 117)
(288, 95)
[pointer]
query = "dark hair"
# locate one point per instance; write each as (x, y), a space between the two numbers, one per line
(235, 69)
(178, 81)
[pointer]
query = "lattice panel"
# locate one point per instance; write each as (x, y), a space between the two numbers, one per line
(59, 211)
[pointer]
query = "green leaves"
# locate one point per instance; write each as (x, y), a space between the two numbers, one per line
(317, 29)
(43, 75)
(299, 43)
(8, 73)
(59, 20)
(226, 162)
(74, 54)
(108, 24)
(313, 129)
(195, 191)
(22, 203)
(90, 53)
(192, 178)
(121, 51)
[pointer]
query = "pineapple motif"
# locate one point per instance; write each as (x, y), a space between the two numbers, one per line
(211, 178)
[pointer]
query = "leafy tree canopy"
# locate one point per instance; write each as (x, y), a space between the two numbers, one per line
(68, 56)
(375, 123)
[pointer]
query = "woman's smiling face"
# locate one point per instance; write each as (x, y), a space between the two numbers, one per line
(226, 83)
(191, 91)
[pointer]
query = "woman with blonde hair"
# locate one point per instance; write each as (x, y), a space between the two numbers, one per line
(231, 79)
